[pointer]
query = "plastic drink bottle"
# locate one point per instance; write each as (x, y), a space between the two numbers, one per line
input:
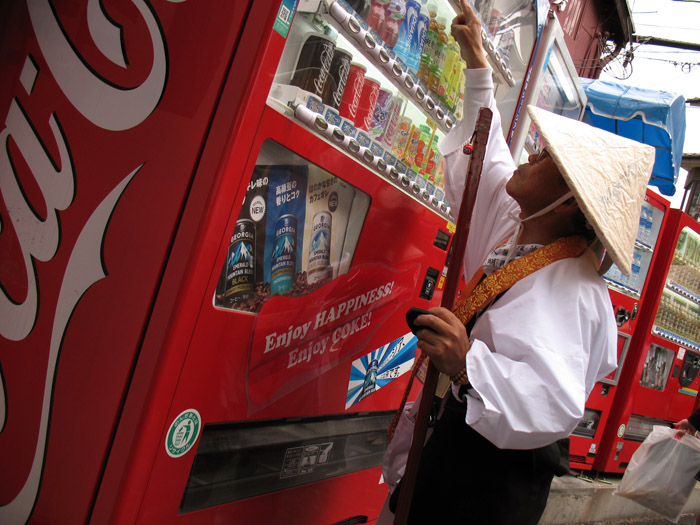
(449, 70)
(406, 31)
(431, 38)
(418, 40)
(438, 59)
(393, 16)
(375, 19)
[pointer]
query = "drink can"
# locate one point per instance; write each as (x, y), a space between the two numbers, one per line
(314, 63)
(320, 248)
(381, 113)
(368, 99)
(370, 382)
(350, 100)
(402, 136)
(337, 78)
(392, 123)
(284, 255)
(240, 263)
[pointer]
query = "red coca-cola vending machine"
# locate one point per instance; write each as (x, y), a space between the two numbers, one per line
(662, 385)
(208, 248)
(630, 296)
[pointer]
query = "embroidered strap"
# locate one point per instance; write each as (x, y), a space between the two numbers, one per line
(503, 278)
(475, 297)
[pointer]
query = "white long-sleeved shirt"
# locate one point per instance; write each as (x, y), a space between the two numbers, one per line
(538, 351)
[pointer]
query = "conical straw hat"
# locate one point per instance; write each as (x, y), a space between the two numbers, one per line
(607, 173)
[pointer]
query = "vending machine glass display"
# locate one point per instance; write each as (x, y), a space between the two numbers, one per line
(678, 316)
(650, 222)
(513, 27)
(297, 230)
(554, 86)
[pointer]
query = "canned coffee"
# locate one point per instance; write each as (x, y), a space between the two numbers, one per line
(240, 263)
(284, 255)
(320, 247)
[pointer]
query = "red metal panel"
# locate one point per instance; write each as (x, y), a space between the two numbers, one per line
(106, 108)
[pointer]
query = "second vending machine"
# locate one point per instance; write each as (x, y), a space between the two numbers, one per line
(661, 386)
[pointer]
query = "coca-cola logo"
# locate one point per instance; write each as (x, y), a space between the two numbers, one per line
(326, 58)
(343, 71)
(105, 105)
(373, 96)
(357, 85)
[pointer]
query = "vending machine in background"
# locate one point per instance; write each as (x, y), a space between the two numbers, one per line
(662, 385)
(629, 296)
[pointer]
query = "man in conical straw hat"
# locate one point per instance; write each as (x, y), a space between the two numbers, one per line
(526, 345)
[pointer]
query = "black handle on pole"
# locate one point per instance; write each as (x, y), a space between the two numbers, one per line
(454, 269)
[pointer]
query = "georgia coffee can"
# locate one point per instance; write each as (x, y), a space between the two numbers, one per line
(240, 263)
(350, 100)
(368, 100)
(314, 63)
(337, 78)
(320, 247)
(284, 256)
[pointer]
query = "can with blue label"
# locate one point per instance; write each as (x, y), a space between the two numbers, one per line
(284, 255)
(320, 248)
(370, 384)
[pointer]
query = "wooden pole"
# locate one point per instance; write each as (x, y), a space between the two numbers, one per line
(454, 270)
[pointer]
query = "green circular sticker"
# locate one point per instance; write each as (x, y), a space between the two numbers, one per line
(184, 431)
(621, 430)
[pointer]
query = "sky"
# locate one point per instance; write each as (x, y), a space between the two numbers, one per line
(665, 68)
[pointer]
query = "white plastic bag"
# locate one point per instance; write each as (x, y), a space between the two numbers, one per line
(661, 473)
(396, 455)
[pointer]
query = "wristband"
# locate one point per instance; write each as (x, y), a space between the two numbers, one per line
(460, 378)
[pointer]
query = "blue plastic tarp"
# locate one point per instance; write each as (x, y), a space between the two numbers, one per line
(653, 117)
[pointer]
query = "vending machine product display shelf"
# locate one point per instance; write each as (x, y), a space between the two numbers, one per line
(498, 63)
(627, 290)
(674, 338)
(680, 290)
(403, 178)
(351, 25)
